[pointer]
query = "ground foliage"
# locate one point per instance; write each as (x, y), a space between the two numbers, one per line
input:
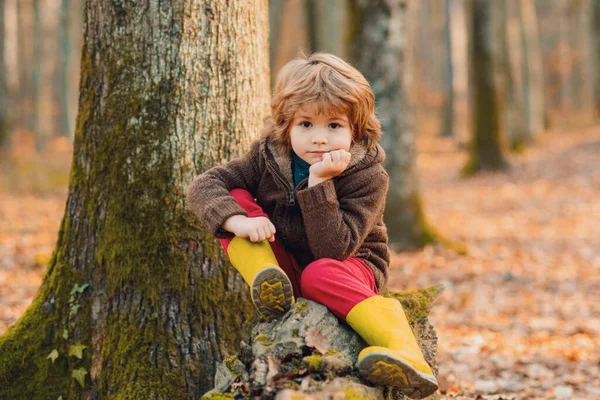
(519, 317)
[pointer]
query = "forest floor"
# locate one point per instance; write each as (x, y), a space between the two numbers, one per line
(520, 315)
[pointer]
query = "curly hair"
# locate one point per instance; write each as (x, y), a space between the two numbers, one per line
(332, 87)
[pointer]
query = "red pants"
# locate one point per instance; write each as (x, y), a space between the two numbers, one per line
(338, 285)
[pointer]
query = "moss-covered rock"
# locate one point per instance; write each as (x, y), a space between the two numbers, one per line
(311, 354)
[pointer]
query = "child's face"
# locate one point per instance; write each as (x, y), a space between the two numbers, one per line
(314, 134)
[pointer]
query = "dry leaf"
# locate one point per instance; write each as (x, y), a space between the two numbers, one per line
(316, 340)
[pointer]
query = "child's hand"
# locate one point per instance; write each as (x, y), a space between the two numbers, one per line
(332, 164)
(255, 229)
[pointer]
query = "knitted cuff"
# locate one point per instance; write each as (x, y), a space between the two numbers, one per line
(318, 196)
(219, 213)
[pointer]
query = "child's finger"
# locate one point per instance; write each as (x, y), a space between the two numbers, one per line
(335, 156)
(253, 236)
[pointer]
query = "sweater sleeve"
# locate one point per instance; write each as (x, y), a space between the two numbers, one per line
(208, 195)
(336, 228)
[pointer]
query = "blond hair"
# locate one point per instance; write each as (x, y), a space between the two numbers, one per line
(331, 86)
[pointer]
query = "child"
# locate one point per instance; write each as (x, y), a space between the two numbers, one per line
(301, 214)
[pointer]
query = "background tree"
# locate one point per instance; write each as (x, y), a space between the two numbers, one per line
(380, 53)
(512, 77)
(63, 82)
(4, 129)
(328, 26)
(137, 302)
(534, 71)
(486, 152)
(596, 39)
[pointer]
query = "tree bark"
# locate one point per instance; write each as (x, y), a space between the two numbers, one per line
(167, 91)
(380, 54)
(487, 146)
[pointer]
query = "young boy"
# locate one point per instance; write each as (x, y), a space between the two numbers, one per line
(301, 214)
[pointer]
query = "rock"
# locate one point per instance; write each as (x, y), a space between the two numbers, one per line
(310, 354)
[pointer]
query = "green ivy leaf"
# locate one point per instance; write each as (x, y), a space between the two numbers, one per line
(65, 334)
(80, 374)
(53, 355)
(77, 350)
(79, 289)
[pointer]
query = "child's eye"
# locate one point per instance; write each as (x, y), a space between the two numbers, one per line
(334, 125)
(305, 124)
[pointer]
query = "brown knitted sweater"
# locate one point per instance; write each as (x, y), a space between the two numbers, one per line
(339, 218)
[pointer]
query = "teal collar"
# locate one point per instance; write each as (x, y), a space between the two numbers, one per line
(300, 168)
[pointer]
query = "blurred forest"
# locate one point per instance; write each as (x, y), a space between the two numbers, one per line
(501, 100)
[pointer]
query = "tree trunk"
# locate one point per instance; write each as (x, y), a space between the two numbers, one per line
(4, 129)
(63, 87)
(327, 26)
(166, 92)
(596, 39)
(486, 147)
(448, 111)
(460, 68)
(380, 54)
(512, 69)
(23, 65)
(292, 35)
(534, 69)
(585, 70)
(36, 71)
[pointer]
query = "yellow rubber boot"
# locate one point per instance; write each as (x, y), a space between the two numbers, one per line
(271, 289)
(393, 357)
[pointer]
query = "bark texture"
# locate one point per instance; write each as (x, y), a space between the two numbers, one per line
(380, 54)
(167, 90)
(487, 146)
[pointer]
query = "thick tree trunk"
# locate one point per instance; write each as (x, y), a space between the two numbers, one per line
(380, 54)
(166, 92)
(486, 147)
(4, 130)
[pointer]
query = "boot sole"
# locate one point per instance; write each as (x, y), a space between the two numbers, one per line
(272, 292)
(383, 369)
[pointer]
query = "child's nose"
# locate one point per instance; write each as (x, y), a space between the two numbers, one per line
(319, 138)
